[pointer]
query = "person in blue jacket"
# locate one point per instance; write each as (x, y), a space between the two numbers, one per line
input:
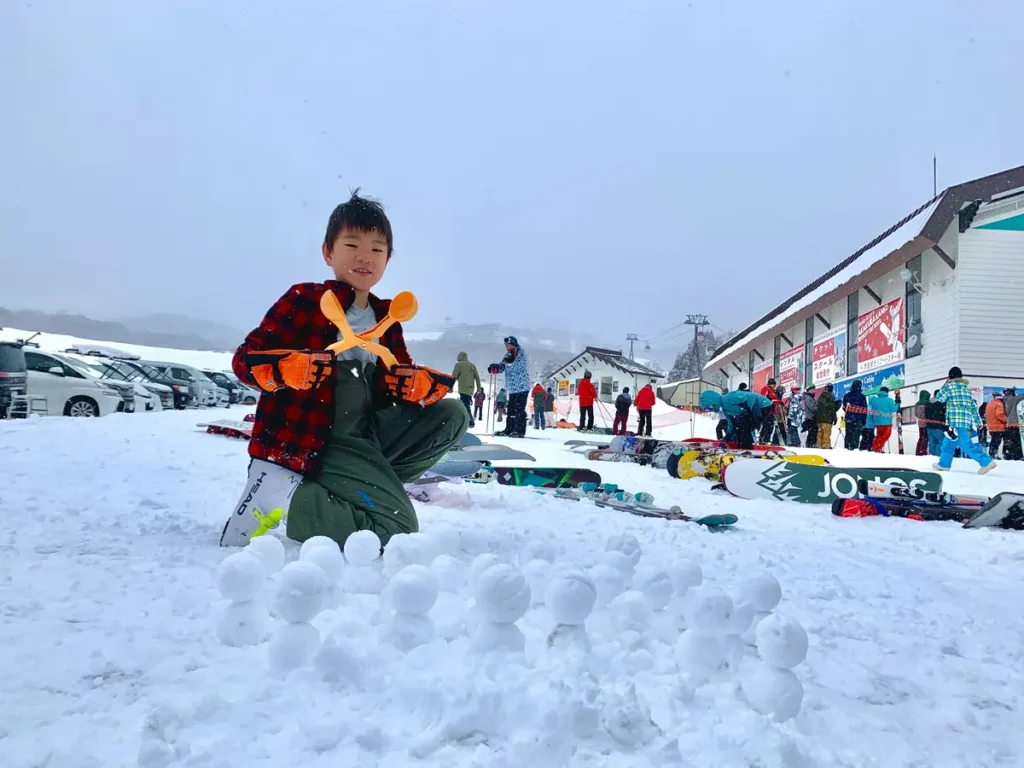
(882, 408)
(516, 368)
(742, 407)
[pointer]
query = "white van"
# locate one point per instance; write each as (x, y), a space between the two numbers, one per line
(68, 391)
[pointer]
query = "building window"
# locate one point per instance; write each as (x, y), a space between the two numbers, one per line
(852, 311)
(913, 306)
(809, 351)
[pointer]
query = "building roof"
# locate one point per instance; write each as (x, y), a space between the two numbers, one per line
(913, 234)
(615, 359)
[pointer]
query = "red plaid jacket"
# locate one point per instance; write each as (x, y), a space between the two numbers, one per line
(293, 426)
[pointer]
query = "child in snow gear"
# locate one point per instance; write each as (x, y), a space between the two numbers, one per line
(962, 422)
(743, 408)
(332, 450)
(516, 368)
(855, 408)
(795, 416)
(501, 403)
(468, 379)
(587, 394)
(478, 403)
(995, 417)
(645, 406)
(921, 414)
(882, 409)
(539, 397)
(549, 408)
(826, 416)
(622, 405)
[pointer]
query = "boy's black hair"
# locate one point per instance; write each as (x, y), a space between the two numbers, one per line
(362, 214)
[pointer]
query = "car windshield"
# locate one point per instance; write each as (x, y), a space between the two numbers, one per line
(12, 359)
(84, 369)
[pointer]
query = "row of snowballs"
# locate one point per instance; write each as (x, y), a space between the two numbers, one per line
(709, 629)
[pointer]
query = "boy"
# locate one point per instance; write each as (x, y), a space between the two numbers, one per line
(330, 447)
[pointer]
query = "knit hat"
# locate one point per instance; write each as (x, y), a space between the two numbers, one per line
(923, 396)
(771, 381)
(794, 389)
(884, 389)
(956, 373)
(513, 341)
(743, 386)
(625, 390)
(587, 374)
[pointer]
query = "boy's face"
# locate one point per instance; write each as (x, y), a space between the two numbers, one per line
(358, 258)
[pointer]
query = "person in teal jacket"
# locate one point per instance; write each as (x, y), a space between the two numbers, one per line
(881, 408)
(742, 407)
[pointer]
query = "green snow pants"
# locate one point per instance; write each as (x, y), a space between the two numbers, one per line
(369, 457)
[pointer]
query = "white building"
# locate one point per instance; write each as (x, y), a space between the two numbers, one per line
(942, 287)
(610, 371)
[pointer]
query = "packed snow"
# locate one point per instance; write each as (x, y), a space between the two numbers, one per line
(514, 629)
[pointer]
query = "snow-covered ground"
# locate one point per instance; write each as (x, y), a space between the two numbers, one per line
(109, 605)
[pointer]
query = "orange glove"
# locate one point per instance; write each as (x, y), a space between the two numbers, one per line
(293, 368)
(417, 384)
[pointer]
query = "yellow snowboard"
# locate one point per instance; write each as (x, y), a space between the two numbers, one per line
(710, 465)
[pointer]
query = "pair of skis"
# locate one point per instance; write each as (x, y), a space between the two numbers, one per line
(1004, 510)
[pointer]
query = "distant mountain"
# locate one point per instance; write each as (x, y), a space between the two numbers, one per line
(223, 336)
(110, 330)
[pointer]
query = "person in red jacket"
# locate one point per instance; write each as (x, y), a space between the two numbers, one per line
(644, 406)
(769, 418)
(337, 435)
(587, 394)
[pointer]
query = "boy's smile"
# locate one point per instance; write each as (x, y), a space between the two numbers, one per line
(358, 258)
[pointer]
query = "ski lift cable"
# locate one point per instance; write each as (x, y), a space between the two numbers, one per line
(651, 337)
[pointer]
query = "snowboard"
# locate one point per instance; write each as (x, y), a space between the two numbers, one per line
(228, 428)
(486, 452)
(468, 438)
(1004, 510)
(456, 468)
(594, 443)
(808, 484)
(542, 477)
(709, 464)
(889, 507)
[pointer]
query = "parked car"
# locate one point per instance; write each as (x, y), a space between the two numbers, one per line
(249, 396)
(124, 388)
(12, 380)
(149, 396)
(69, 391)
(180, 390)
(207, 393)
(228, 384)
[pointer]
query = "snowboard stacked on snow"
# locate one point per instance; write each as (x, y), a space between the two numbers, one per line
(536, 477)
(809, 484)
(1004, 510)
(228, 428)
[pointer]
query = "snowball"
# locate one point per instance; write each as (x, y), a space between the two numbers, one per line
(413, 590)
(708, 610)
(685, 574)
(329, 560)
(337, 664)
(630, 612)
(565, 636)
(403, 550)
(240, 576)
(301, 591)
(741, 619)
(449, 616)
(472, 542)
(781, 641)
(269, 550)
(406, 631)
(627, 544)
(445, 538)
(538, 574)
(240, 624)
(656, 587)
(502, 594)
(750, 635)
(570, 597)
(362, 548)
(362, 580)
(480, 564)
(771, 691)
(762, 591)
(488, 637)
(292, 646)
(703, 657)
(316, 541)
(621, 562)
(448, 573)
(536, 549)
(609, 582)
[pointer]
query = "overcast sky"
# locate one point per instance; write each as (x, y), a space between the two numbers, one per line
(608, 166)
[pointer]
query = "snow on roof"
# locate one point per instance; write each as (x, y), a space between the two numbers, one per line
(616, 359)
(891, 240)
